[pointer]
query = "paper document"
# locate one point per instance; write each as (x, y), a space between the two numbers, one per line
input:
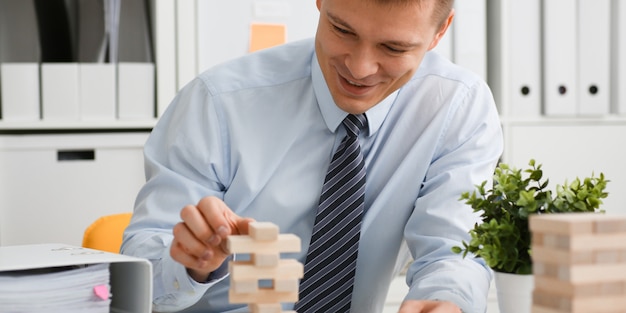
(67, 289)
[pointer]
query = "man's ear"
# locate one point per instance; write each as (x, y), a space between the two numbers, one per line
(442, 30)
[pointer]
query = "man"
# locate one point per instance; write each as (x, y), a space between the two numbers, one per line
(252, 140)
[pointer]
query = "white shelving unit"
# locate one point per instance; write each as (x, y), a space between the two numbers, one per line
(568, 145)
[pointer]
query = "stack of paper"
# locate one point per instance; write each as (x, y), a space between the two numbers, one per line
(71, 289)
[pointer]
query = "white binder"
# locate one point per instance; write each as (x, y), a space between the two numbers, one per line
(60, 91)
(20, 91)
(515, 57)
(618, 57)
(135, 96)
(560, 57)
(594, 46)
(470, 36)
(186, 42)
(524, 51)
(97, 91)
(165, 44)
(131, 278)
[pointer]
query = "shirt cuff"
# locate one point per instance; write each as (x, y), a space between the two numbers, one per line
(179, 290)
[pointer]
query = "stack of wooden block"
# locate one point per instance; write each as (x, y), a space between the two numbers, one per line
(264, 245)
(579, 263)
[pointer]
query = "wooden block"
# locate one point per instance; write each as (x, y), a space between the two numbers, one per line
(244, 286)
(578, 304)
(569, 289)
(582, 273)
(265, 308)
(286, 269)
(536, 239)
(265, 260)
(286, 285)
(264, 295)
(614, 225)
(562, 223)
(585, 242)
(577, 223)
(263, 231)
(246, 244)
(567, 257)
(562, 257)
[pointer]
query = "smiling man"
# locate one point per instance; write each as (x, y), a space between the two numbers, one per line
(356, 141)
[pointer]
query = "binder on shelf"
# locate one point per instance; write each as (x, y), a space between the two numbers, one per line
(470, 35)
(130, 277)
(60, 91)
(186, 50)
(20, 91)
(560, 51)
(135, 91)
(594, 46)
(618, 57)
(165, 44)
(98, 89)
(523, 47)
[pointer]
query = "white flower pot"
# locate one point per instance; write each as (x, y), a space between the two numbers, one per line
(514, 292)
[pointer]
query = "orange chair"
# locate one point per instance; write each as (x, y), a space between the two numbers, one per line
(106, 232)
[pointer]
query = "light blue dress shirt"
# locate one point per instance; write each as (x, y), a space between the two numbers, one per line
(259, 132)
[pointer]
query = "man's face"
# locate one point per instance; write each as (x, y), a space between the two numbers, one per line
(367, 51)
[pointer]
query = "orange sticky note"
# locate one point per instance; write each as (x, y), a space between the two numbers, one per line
(266, 35)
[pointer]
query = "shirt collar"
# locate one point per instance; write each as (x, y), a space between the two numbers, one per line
(333, 115)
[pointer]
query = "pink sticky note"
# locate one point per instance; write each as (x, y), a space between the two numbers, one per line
(101, 291)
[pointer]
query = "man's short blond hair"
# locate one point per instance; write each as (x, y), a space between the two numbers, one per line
(440, 12)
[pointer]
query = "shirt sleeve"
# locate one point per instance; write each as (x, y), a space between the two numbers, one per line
(178, 173)
(467, 154)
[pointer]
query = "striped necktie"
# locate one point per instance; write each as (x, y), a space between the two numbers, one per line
(331, 259)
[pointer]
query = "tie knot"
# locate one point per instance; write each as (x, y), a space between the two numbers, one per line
(354, 123)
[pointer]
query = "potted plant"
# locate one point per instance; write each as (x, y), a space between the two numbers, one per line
(503, 239)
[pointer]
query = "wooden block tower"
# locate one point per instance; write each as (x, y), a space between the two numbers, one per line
(264, 245)
(579, 263)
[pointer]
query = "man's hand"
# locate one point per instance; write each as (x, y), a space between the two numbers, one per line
(199, 240)
(427, 306)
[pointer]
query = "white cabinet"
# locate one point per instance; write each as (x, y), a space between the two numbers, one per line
(53, 186)
(573, 148)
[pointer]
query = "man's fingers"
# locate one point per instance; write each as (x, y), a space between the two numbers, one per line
(188, 243)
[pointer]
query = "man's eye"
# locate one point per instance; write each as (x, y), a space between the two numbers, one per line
(394, 50)
(341, 30)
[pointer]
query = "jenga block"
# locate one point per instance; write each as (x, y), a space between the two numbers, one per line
(586, 242)
(246, 244)
(613, 225)
(563, 223)
(263, 231)
(244, 286)
(536, 239)
(265, 260)
(578, 304)
(582, 273)
(567, 257)
(561, 257)
(265, 308)
(569, 289)
(577, 223)
(264, 295)
(286, 269)
(286, 285)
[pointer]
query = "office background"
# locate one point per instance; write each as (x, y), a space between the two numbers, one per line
(557, 69)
